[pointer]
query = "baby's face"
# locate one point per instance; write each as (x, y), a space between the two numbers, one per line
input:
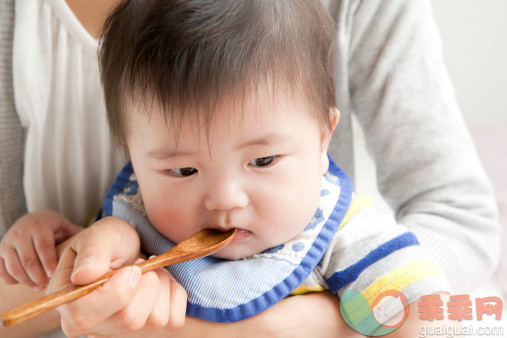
(260, 173)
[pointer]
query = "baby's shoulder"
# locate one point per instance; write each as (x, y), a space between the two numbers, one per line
(361, 214)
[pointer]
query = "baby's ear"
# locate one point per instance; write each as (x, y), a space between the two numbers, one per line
(327, 132)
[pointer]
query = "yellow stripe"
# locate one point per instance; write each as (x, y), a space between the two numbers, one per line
(302, 289)
(400, 278)
(358, 203)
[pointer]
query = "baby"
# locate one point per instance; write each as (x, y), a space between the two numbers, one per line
(226, 109)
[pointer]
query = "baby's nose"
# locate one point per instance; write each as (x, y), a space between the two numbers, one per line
(225, 194)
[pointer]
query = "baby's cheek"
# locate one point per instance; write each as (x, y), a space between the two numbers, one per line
(171, 221)
(291, 215)
(307, 200)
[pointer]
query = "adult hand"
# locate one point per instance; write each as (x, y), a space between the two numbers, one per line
(129, 301)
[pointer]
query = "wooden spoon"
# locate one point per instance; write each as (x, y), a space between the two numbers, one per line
(201, 244)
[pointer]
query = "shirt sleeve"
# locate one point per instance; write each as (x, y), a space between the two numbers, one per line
(427, 167)
(371, 254)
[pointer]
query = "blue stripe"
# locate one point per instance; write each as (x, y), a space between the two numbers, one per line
(116, 188)
(344, 277)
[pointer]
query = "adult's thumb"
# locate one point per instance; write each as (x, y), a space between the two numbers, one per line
(107, 245)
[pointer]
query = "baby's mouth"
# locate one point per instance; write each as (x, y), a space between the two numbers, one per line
(241, 235)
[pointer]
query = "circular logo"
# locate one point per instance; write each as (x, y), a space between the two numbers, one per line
(390, 308)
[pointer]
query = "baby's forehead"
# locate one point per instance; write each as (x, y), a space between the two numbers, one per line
(258, 108)
(234, 107)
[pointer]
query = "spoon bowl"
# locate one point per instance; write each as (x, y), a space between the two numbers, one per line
(203, 243)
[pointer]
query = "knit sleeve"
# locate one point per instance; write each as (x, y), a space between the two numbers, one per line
(371, 254)
(427, 166)
(12, 201)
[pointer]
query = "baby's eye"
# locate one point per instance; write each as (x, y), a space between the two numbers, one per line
(263, 161)
(181, 172)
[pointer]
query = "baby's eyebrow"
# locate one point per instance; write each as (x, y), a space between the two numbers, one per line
(265, 140)
(165, 154)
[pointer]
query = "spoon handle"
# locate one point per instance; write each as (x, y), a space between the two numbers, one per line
(182, 252)
(66, 295)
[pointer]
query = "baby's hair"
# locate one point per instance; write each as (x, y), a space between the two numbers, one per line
(188, 56)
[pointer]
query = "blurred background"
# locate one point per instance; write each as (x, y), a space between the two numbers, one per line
(474, 35)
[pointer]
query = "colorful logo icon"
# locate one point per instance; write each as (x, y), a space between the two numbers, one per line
(387, 312)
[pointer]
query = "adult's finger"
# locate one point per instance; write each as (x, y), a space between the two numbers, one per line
(178, 305)
(133, 317)
(159, 316)
(107, 245)
(84, 314)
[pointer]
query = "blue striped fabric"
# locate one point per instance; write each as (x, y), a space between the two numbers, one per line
(117, 186)
(226, 291)
(346, 276)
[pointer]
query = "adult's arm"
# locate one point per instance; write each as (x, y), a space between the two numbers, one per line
(320, 318)
(427, 166)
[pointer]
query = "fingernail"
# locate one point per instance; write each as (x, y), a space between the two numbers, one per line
(83, 263)
(134, 276)
(49, 273)
(152, 256)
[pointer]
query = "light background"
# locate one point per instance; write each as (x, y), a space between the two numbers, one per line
(474, 35)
